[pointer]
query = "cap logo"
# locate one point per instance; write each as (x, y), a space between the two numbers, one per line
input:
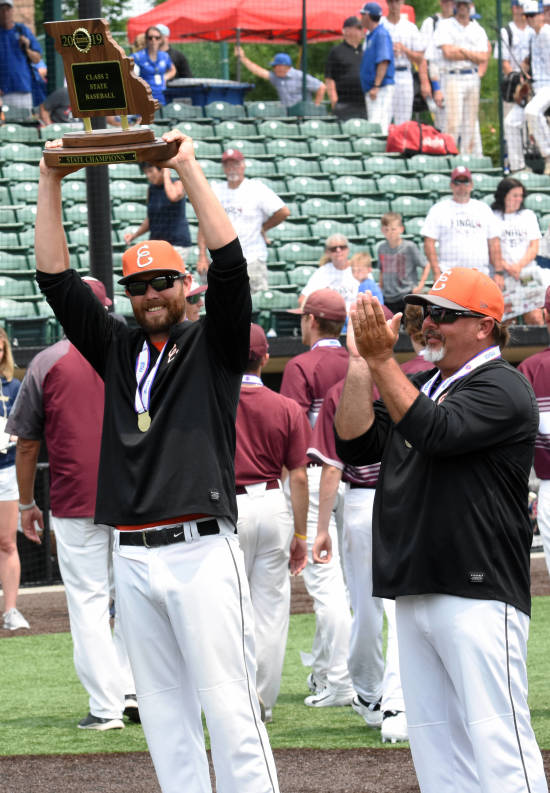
(144, 258)
(440, 284)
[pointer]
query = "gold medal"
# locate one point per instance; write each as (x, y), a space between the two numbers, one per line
(144, 421)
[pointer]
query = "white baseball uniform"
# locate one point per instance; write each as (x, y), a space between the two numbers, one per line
(403, 32)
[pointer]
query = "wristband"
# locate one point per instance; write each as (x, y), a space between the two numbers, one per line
(300, 536)
(25, 507)
(499, 272)
(436, 85)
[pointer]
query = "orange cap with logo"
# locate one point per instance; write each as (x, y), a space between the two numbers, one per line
(464, 289)
(149, 257)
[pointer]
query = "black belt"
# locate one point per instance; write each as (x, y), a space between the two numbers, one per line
(273, 484)
(153, 538)
(462, 71)
(357, 485)
(401, 68)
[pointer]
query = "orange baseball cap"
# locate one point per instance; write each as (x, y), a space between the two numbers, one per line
(464, 289)
(149, 257)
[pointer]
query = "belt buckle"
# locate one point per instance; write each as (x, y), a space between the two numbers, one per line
(144, 538)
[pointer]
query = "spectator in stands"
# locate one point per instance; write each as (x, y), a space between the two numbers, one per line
(408, 52)
(154, 65)
(10, 566)
(56, 108)
(377, 67)
(465, 48)
(176, 56)
(465, 229)
(253, 209)
(536, 369)
(287, 81)
(139, 42)
(538, 66)
(334, 272)
(57, 379)
(166, 204)
(342, 72)
(400, 262)
(431, 68)
(18, 50)
(194, 301)
(519, 245)
(361, 268)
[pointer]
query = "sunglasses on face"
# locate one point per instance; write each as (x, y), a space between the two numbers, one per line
(461, 181)
(150, 38)
(334, 248)
(158, 282)
(445, 316)
(194, 299)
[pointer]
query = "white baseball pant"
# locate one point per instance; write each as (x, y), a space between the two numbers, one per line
(325, 584)
(366, 660)
(84, 553)
(380, 109)
(537, 121)
(461, 92)
(463, 666)
(543, 517)
(265, 531)
(515, 132)
(188, 623)
(403, 96)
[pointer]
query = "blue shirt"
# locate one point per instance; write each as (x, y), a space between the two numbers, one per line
(167, 219)
(8, 392)
(378, 48)
(289, 87)
(15, 70)
(153, 71)
(368, 285)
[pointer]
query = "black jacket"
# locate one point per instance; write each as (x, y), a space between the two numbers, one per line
(184, 463)
(450, 512)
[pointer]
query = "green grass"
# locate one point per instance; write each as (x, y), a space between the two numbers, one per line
(42, 699)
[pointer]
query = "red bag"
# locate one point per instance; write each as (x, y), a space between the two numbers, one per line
(415, 138)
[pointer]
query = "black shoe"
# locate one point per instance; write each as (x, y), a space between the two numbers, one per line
(131, 708)
(91, 722)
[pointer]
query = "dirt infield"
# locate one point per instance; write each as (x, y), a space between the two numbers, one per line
(300, 771)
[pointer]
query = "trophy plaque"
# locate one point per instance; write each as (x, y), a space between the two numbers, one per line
(101, 82)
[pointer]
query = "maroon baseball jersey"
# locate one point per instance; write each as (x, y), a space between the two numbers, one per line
(272, 432)
(416, 364)
(536, 369)
(308, 377)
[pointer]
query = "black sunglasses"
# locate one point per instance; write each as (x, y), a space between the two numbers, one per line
(158, 282)
(153, 38)
(446, 316)
(334, 248)
(194, 299)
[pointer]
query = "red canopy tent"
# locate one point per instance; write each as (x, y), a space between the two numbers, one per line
(265, 21)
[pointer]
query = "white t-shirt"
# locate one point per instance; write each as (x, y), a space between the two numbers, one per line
(248, 207)
(462, 231)
(470, 36)
(330, 277)
(404, 32)
(515, 53)
(540, 58)
(517, 230)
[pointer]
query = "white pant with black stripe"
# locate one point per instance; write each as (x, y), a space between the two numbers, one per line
(187, 620)
(464, 676)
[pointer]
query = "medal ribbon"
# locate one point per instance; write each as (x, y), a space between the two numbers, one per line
(326, 343)
(478, 360)
(252, 379)
(143, 394)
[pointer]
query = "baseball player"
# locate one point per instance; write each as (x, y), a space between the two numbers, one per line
(57, 379)
(451, 530)
(272, 433)
(377, 67)
(408, 49)
(306, 379)
(166, 483)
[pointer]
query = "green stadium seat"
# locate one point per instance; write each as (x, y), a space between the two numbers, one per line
(14, 262)
(77, 214)
(79, 237)
(301, 275)
(209, 149)
(7, 216)
(20, 152)
(341, 165)
(381, 165)
(5, 195)
(348, 185)
(294, 166)
(307, 109)
(437, 184)
(362, 208)
(197, 130)
(292, 252)
(250, 148)
(16, 133)
(538, 202)
(307, 186)
(124, 170)
(26, 214)
(370, 228)
(16, 115)
(360, 127)
(255, 167)
(24, 192)
(368, 145)
(273, 298)
(9, 240)
(223, 110)
(330, 146)
(75, 192)
(279, 129)
(315, 208)
(277, 278)
(180, 111)
(10, 308)
(26, 239)
(265, 109)
(129, 212)
(410, 206)
(290, 229)
(21, 172)
(396, 184)
(535, 182)
(18, 287)
(212, 168)
(239, 128)
(78, 176)
(122, 305)
(125, 190)
(320, 128)
(322, 229)
(32, 331)
(277, 184)
(414, 226)
(53, 131)
(285, 147)
(471, 161)
(429, 163)
(544, 223)
(486, 183)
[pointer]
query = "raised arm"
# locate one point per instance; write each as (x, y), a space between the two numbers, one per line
(259, 71)
(52, 254)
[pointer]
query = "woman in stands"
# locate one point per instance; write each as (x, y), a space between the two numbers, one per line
(154, 65)
(10, 567)
(334, 272)
(522, 281)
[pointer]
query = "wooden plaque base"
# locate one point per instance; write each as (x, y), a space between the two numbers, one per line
(106, 146)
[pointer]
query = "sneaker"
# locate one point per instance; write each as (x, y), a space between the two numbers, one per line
(315, 684)
(327, 699)
(370, 711)
(91, 722)
(268, 716)
(131, 708)
(14, 620)
(394, 726)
